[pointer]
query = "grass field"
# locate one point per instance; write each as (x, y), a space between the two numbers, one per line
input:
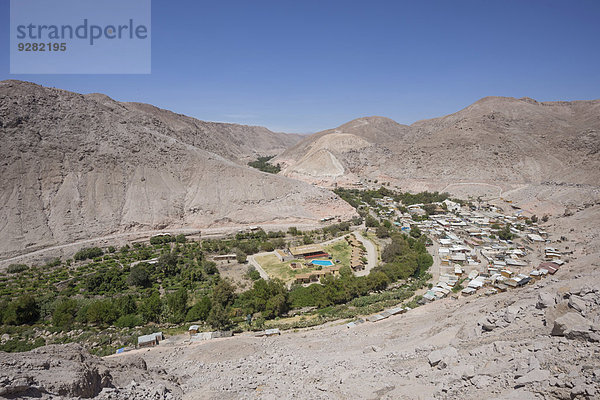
(339, 250)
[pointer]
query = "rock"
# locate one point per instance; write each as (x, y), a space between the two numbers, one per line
(511, 313)
(447, 355)
(481, 381)
(534, 363)
(577, 303)
(573, 326)
(536, 375)
(465, 371)
(545, 300)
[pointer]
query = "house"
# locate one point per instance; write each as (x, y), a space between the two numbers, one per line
(193, 329)
(551, 267)
(507, 273)
(473, 274)
(429, 296)
(535, 237)
(283, 255)
(477, 282)
(308, 251)
(225, 257)
(451, 206)
(468, 291)
(150, 340)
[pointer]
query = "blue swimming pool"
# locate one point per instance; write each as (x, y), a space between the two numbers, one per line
(323, 263)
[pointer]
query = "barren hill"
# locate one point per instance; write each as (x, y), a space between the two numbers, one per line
(499, 143)
(78, 166)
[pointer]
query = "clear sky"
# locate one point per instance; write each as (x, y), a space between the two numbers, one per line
(304, 65)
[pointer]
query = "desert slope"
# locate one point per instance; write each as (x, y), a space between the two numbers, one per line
(78, 166)
(499, 141)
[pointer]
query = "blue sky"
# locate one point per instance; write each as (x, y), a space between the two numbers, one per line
(304, 66)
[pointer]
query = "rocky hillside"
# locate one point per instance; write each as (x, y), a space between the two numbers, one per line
(80, 166)
(497, 141)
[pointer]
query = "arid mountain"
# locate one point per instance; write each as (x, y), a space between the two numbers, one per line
(497, 141)
(79, 166)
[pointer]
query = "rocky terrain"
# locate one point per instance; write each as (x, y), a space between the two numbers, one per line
(538, 342)
(70, 371)
(77, 166)
(494, 146)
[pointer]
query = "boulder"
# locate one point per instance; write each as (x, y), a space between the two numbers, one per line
(447, 355)
(536, 375)
(545, 300)
(573, 326)
(577, 303)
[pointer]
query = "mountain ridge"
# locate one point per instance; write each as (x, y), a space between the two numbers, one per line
(77, 167)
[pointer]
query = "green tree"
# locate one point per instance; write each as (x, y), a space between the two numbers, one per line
(241, 257)
(139, 276)
(252, 273)
(371, 221)
(125, 305)
(168, 264)
(102, 312)
(200, 310)
(151, 307)
(65, 312)
(129, 321)
(223, 293)
(177, 304)
(24, 310)
(415, 231)
(382, 232)
(218, 318)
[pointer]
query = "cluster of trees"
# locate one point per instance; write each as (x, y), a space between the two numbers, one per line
(88, 253)
(262, 163)
(16, 268)
(23, 310)
(161, 239)
(246, 243)
(356, 197)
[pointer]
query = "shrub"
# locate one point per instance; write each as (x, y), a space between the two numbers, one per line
(129, 321)
(177, 303)
(65, 312)
(218, 318)
(16, 268)
(200, 310)
(102, 312)
(252, 273)
(88, 253)
(24, 310)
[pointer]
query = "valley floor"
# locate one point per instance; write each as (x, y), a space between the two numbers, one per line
(439, 350)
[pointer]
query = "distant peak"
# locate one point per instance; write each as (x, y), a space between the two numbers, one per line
(529, 100)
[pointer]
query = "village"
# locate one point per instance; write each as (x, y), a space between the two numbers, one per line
(477, 250)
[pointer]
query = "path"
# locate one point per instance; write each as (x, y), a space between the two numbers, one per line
(256, 265)
(371, 254)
